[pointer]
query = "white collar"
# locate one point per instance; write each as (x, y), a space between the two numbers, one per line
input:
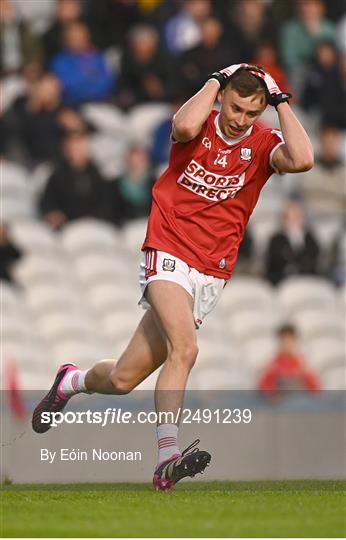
(230, 140)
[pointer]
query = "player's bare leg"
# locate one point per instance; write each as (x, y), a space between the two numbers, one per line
(173, 307)
(145, 353)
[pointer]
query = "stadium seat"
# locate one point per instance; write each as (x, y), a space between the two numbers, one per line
(143, 119)
(334, 378)
(327, 230)
(258, 353)
(113, 297)
(106, 118)
(16, 325)
(84, 353)
(13, 179)
(99, 267)
(28, 354)
(306, 292)
(215, 354)
(109, 154)
(17, 208)
(10, 296)
(325, 352)
(63, 325)
(246, 293)
(119, 325)
(313, 323)
(90, 235)
(34, 237)
(37, 269)
(219, 379)
(46, 298)
(251, 322)
(134, 234)
(262, 229)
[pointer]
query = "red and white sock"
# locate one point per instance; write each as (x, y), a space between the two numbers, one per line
(73, 382)
(167, 441)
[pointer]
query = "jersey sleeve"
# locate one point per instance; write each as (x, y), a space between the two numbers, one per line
(274, 139)
(178, 148)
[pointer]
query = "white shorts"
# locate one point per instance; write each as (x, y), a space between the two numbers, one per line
(159, 265)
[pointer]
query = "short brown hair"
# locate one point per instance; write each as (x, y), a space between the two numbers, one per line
(246, 84)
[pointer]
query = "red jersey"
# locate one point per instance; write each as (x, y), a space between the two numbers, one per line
(204, 199)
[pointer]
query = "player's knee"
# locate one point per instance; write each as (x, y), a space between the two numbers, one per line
(120, 385)
(186, 354)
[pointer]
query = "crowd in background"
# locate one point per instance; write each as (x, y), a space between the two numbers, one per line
(58, 55)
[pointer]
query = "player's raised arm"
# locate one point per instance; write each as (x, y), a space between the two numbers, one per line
(296, 155)
(189, 119)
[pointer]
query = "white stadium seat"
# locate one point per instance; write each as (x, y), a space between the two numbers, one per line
(90, 235)
(37, 269)
(15, 207)
(34, 236)
(95, 268)
(251, 322)
(83, 353)
(109, 154)
(313, 323)
(113, 296)
(106, 118)
(246, 293)
(325, 352)
(334, 378)
(46, 298)
(10, 296)
(143, 119)
(262, 229)
(119, 326)
(306, 292)
(258, 353)
(134, 234)
(64, 325)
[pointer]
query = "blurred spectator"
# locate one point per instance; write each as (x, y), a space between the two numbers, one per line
(148, 72)
(210, 55)
(67, 11)
(323, 188)
(300, 35)
(294, 249)
(9, 253)
(245, 254)
(38, 120)
(288, 369)
(250, 24)
(75, 189)
(19, 47)
(111, 20)
(132, 190)
(266, 56)
(337, 270)
(82, 69)
(183, 30)
(161, 145)
(324, 88)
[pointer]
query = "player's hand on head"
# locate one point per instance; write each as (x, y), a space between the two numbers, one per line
(268, 80)
(224, 75)
(276, 96)
(230, 70)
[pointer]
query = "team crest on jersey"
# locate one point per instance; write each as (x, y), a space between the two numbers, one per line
(245, 154)
(168, 265)
(222, 264)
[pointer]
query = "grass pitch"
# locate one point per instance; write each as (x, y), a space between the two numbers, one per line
(193, 509)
